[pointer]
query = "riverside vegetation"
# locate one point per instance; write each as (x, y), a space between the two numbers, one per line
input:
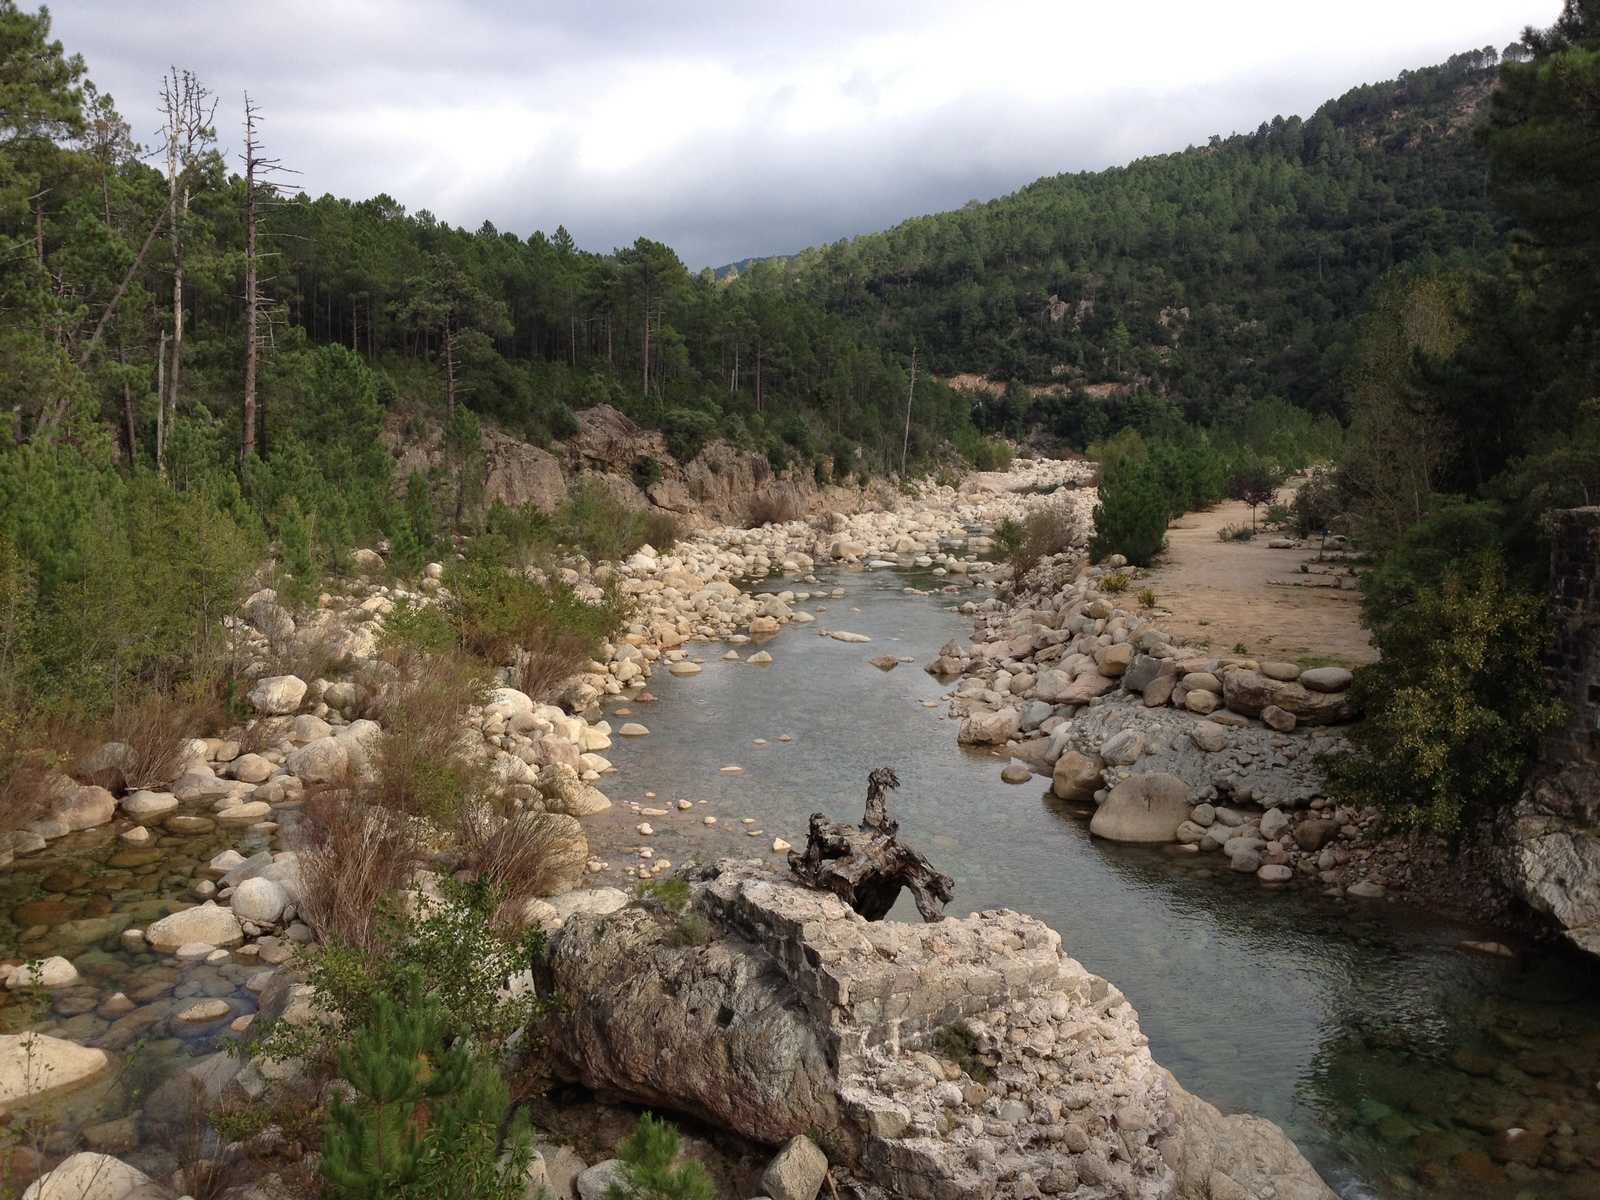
(195, 634)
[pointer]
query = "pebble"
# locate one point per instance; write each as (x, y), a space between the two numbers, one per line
(633, 729)
(779, 846)
(685, 805)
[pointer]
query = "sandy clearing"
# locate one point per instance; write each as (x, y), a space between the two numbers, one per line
(1218, 591)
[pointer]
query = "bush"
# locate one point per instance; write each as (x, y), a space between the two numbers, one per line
(1456, 706)
(425, 766)
(662, 529)
(1319, 502)
(1115, 583)
(545, 630)
(990, 454)
(775, 504)
(1235, 533)
(1043, 532)
(1131, 518)
(648, 1158)
(600, 524)
(1147, 597)
(407, 1060)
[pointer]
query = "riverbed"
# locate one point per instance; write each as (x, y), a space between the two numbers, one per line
(1394, 1059)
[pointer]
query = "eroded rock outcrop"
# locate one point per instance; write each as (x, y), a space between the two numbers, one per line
(793, 1014)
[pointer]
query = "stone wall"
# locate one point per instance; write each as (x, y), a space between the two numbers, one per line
(1551, 837)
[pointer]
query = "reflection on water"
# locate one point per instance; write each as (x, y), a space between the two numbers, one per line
(1394, 1060)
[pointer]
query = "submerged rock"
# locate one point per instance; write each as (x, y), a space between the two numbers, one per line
(31, 1063)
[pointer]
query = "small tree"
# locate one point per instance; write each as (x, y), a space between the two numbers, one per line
(648, 1158)
(1255, 487)
(426, 1117)
(1131, 518)
(1456, 706)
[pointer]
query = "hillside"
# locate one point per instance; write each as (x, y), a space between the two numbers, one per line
(1224, 272)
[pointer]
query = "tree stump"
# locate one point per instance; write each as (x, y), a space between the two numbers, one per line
(867, 867)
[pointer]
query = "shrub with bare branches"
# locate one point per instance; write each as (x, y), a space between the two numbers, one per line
(519, 858)
(353, 857)
(428, 766)
(156, 729)
(773, 505)
(1043, 532)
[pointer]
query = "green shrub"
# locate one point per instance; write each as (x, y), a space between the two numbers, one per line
(1131, 518)
(598, 523)
(419, 628)
(1457, 704)
(648, 1158)
(426, 1117)
(545, 629)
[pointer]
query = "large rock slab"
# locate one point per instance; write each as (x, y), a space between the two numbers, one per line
(89, 1176)
(278, 695)
(207, 923)
(1145, 810)
(1249, 692)
(84, 807)
(31, 1064)
(797, 1016)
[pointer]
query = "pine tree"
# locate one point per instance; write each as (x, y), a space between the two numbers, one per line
(648, 1158)
(425, 1121)
(1131, 518)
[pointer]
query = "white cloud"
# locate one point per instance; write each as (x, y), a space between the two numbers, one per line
(735, 129)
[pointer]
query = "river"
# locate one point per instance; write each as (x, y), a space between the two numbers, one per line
(1389, 1055)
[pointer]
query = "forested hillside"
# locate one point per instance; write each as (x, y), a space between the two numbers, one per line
(1215, 276)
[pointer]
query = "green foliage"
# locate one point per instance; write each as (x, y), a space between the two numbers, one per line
(1455, 707)
(452, 947)
(426, 1117)
(648, 1165)
(963, 1048)
(1115, 582)
(417, 628)
(496, 613)
(671, 893)
(1131, 518)
(1147, 597)
(599, 523)
(302, 578)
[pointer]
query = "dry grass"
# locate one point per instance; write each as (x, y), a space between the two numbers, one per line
(210, 1167)
(157, 728)
(27, 772)
(1045, 531)
(773, 505)
(353, 857)
(520, 858)
(427, 765)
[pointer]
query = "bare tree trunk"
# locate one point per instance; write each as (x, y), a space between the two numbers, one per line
(905, 442)
(450, 371)
(247, 445)
(161, 406)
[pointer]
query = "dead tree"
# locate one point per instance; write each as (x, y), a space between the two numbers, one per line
(867, 867)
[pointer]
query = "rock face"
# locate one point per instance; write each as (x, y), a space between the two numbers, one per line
(1145, 810)
(798, 1016)
(520, 474)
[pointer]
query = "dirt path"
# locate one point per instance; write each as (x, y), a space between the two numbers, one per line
(1219, 592)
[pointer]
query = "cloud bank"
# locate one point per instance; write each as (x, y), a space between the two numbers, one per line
(729, 130)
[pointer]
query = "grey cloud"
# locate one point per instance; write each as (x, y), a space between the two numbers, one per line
(477, 110)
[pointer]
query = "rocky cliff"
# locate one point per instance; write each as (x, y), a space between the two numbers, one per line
(971, 1058)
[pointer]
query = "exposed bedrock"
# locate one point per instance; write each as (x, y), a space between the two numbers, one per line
(774, 1010)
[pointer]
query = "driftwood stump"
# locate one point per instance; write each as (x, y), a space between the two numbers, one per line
(867, 867)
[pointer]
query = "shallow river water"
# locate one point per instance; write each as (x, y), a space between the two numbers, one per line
(1390, 1056)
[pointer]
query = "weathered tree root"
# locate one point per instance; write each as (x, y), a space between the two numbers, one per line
(867, 867)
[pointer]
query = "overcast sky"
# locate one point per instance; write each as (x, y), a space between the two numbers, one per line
(730, 130)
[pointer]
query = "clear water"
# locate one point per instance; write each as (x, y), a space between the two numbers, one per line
(1339, 1021)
